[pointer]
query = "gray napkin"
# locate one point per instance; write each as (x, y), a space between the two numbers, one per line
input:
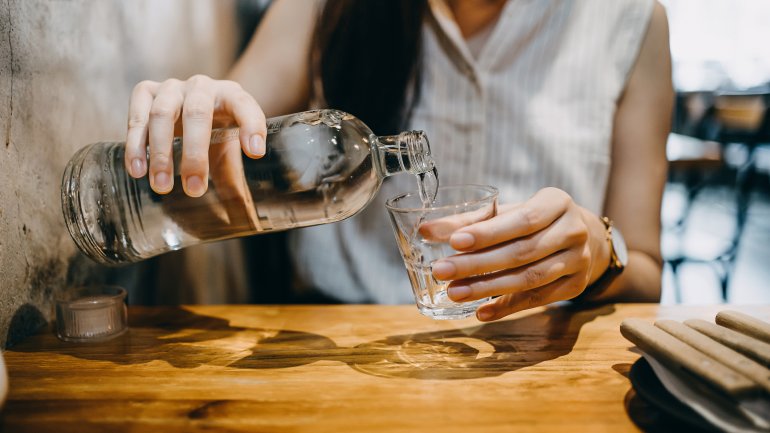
(727, 418)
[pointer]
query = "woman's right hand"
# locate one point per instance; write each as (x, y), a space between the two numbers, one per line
(159, 111)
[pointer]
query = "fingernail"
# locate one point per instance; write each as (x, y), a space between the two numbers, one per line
(484, 315)
(162, 181)
(257, 145)
(137, 167)
(462, 240)
(458, 293)
(195, 186)
(444, 270)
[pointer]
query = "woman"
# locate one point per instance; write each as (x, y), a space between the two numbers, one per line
(563, 105)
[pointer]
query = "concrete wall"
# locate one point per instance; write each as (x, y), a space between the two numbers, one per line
(66, 71)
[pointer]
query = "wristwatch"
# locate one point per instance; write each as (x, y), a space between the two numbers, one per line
(618, 262)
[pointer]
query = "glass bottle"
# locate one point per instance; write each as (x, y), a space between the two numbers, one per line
(320, 166)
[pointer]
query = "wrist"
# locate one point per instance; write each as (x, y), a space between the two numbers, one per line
(618, 259)
(600, 246)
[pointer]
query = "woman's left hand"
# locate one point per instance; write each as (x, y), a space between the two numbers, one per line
(544, 250)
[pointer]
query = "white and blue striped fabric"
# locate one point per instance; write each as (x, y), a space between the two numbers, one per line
(531, 107)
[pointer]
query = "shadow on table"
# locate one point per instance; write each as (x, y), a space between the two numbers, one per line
(188, 340)
(488, 350)
(182, 338)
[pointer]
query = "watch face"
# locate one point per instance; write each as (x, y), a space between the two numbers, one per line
(619, 245)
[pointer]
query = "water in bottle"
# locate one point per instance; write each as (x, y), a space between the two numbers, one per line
(320, 166)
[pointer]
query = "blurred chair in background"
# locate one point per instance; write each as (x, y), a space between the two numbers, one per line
(716, 230)
(714, 143)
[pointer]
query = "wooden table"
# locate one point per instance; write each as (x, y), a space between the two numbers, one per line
(335, 369)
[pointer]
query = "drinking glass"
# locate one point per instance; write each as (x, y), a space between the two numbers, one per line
(423, 232)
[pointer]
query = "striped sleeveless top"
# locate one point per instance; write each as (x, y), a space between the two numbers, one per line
(534, 107)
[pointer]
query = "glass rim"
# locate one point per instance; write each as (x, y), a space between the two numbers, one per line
(492, 193)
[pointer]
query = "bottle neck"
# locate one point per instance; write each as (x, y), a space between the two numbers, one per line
(407, 152)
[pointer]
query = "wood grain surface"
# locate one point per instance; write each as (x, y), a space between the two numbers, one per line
(335, 369)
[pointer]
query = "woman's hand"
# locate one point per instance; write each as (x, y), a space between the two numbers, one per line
(544, 250)
(159, 111)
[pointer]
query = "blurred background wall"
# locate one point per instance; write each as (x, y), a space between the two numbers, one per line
(66, 72)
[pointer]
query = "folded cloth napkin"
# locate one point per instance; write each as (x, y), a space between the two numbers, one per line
(727, 417)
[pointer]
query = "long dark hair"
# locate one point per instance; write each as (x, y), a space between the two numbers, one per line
(367, 55)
